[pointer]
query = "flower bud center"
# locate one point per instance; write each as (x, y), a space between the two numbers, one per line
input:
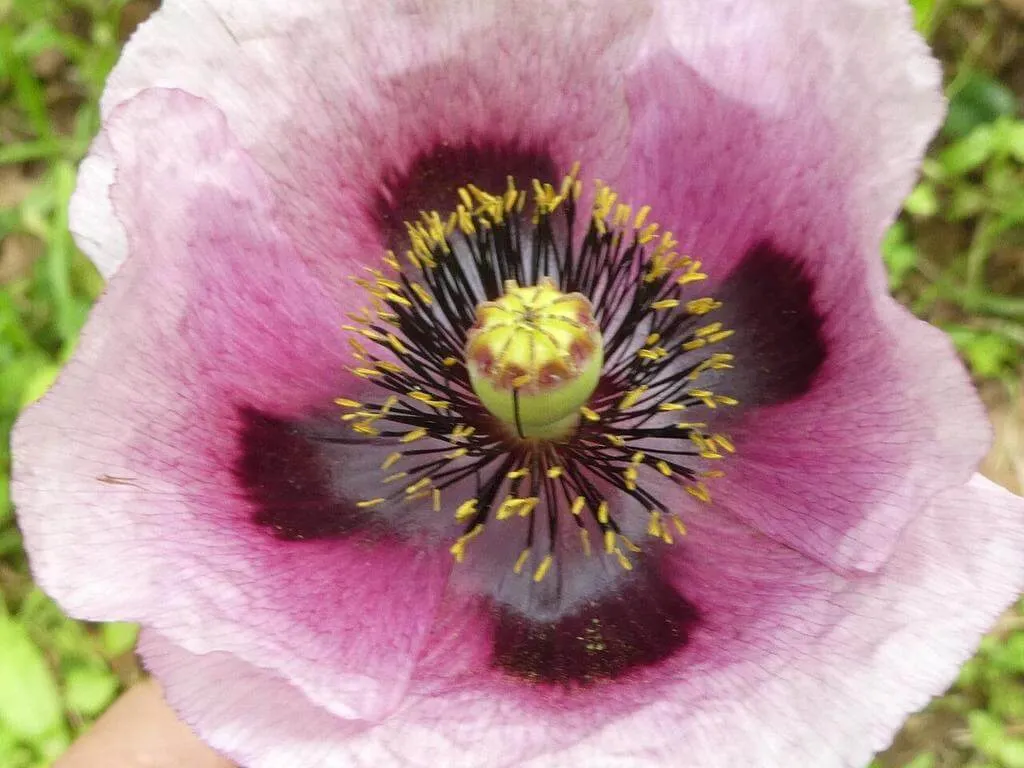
(534, 357)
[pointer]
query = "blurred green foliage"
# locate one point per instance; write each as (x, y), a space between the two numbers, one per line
(954, 257)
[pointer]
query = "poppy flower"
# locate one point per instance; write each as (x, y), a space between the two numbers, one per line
(492, 384)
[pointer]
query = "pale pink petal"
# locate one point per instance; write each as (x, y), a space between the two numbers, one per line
(794, 134)
(791, 666)
(375, 110)
(128, 474)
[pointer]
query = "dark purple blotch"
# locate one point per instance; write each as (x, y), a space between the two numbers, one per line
(281, 470)
(642, 623)
(768, 299)
(431, 180)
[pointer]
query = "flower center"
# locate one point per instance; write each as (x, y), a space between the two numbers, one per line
(534, 357)
(540, 378)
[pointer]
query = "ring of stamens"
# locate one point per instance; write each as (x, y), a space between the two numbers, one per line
(659, 344)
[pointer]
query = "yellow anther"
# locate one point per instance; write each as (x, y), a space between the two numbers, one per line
(395, 476)
(679, 526)
(578, 504)
(665, 304)
(641, 216)
(726, 400)
(699, 491)
(658, 353)
(397, 299)
(602, 513)
(436, 499)
(693, 344)
(664, 468)
(413, 435)
(370, 502)
(523, 557)
(397, 345)
(713, 473)
(528, 505)
(671, 407)
(609, 541)
(654, 523)
(458, 549)
(458, 453)
(720, 336)
(708, 330)
(702, 306)
(692, 275)
(654, 338)
(691, 425)
(543, 568)
(390, 460)
(637, 458)
(515, 474)
(466, 509)
(631, 398)
(388, 367)
(448, 362)
(365, 373)
(589, 414)
(615, 440)
(419, 485)
(724, 442)
(422, 293)
(365, 428)
(555, 472)
(585, 541)
(508, 508)
(344, 402)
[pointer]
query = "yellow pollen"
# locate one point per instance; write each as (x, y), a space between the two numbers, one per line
(543, 568)
(466, 509)
(632, 398)
(585, 541)
(413, 435)
(523, 557)
(370, 502)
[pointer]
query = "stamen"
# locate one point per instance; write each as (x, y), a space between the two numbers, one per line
(541, 366)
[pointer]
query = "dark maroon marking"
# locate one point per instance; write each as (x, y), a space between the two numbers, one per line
(282, 472)
(769, 301)
(432, 179)
(640, 625)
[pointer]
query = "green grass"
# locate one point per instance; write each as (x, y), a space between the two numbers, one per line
(954, 257)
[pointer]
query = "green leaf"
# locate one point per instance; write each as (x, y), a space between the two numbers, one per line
(924, 11)
(30, 703)
(900, 256)
(119, 637)
(986, 732)
(980, 99)
(968, 153)
(88, 689)
(988, 354)
(922, 201)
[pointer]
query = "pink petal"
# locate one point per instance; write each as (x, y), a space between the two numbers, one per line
(338, 108)
(799, 132)
(126, 477)
(792, 666)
